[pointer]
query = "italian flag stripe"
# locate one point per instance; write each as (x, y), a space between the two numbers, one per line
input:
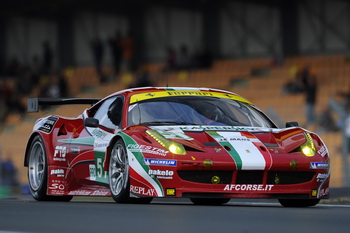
(222, 141)
(251, 156)
(136, 162)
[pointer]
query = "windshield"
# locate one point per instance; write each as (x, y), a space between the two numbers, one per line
(196, 110)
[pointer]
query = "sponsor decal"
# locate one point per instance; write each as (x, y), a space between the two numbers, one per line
(171, 192)
(97, 133)
(48, 124)
(159, 94)
(142, 191)
(99, 193)
(161, 174)
(60, 153)
(321, 177)
(89, 193)
(172, 133)
(56, 186)
(207, 163)
(248, 187)
(79, 193)
(161, 162)
(319, 165)
(324, 192)
(97, 145)
(57, 172)
(92, 170)
(75, 150)
(147, 149)
(322, 151)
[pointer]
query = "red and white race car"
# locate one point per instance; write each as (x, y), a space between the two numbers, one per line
(204, 144)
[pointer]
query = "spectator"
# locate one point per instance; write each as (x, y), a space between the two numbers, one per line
(98, 53)
(310, 90)
(326, 121)
(47, 58)
(3, 105)
(51, 88)
(183, 61)
(203, 58)
(171, 60)
(116, 50)
(13, 98)
(9, 176)
(127, 47)
(142, 79)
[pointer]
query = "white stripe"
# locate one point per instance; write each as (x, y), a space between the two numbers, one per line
(251, 157)
(134, 164)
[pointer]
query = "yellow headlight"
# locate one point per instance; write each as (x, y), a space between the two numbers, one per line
(173, 147)
(308, 148)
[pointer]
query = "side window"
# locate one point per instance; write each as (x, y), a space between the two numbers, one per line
(110, 112)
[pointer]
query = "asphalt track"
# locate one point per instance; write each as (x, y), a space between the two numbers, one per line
(19, 215)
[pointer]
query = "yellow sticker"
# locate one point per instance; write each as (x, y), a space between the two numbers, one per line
(158, 94)
(170, 192)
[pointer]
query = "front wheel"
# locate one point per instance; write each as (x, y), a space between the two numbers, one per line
(298, 202)
(119, 183)
(119, 173)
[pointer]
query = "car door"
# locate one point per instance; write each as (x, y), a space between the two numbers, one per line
(110, 116)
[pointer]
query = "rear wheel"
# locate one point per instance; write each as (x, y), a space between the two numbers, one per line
(298, 202)
(209, 201)
(37, 172)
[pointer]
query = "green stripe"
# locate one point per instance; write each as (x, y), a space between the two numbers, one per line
(234, 154)
(89, 141)
(139, 156)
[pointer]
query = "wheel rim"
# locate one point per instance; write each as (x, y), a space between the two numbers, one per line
(36, 169)
(118, 170)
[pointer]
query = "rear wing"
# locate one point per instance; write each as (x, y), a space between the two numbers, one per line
(34, 103)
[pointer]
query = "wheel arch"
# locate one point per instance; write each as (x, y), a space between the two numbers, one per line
(109, 150)
(30, 140)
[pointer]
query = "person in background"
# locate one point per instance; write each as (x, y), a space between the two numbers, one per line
(310, 92)
(97, 50)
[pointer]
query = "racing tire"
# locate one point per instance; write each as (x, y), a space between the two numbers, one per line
(37, 172)
(209, 201)
(118, 173)
(118, 176)
(298, 202)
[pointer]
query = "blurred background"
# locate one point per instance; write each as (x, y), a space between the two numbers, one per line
(290, 58)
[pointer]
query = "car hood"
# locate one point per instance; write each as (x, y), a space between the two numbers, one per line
(270, 139)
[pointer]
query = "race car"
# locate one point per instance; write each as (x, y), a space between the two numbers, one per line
(205, 144)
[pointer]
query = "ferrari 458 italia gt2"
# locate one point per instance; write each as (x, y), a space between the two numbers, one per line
(204, 144)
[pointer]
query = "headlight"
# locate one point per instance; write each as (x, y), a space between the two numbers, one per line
(173, 147)
(308, 148)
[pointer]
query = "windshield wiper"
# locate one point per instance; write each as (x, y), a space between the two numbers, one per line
(166, 123)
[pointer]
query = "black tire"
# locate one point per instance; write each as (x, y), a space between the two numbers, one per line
(118, 173)
(118, 176)
(298, 202)
(37, 172)
(209, 201)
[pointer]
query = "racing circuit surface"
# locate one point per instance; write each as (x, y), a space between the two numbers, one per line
(168, 215)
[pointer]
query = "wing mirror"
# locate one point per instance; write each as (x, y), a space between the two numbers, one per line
(292, 124)
(91, 122)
